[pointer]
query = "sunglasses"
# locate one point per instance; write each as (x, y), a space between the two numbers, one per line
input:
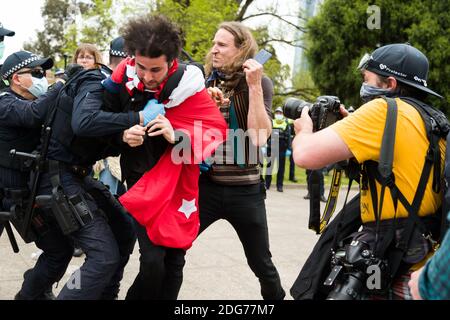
(364, 62)
(35, 73)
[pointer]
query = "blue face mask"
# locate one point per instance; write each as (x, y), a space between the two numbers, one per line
(2, 49)
(39, 86)
(369, 92)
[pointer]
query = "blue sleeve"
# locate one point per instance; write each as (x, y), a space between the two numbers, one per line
(88, 118)
(26, 113)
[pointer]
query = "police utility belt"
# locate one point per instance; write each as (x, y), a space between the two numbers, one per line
(71, 212)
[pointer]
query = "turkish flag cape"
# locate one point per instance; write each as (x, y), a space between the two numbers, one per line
(165, 199)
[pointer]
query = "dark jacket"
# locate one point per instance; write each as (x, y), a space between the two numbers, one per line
(82, 131)
(21, 121)
(135, 161)
(309, 283)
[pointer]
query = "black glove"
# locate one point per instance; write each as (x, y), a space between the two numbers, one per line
(71, 70)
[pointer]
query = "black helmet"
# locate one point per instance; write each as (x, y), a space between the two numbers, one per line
(401, 61)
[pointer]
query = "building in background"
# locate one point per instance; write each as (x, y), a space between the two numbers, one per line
(308, 8)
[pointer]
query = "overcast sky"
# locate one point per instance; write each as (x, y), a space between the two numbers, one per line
(24, 17)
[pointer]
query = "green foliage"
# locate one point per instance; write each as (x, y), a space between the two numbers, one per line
(199, 20)
(70, 22)
(96, 27)
(338, 37)
(50, 41)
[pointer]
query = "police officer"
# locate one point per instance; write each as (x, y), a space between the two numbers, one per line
(23, 108)
(117, 52)
(280, 133)
(83, 134)
(3, 33)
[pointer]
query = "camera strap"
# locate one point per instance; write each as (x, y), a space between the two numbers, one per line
(330, 206)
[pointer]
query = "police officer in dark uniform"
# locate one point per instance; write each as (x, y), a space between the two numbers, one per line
(23, 109)
(83, 134)
(3, 33)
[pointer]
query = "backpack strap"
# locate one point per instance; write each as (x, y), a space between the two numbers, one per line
(384, 168)
(172, 83)
(384, 175)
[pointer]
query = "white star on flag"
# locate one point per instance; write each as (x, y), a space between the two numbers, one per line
(188, 207)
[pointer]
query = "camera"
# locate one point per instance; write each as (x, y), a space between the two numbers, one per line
(351, 267)
(324, 112)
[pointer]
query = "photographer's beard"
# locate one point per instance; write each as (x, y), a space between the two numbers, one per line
(368, 92)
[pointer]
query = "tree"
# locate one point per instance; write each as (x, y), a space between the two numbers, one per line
(58, 16)
(70, 22)
(199, 20)
(339, 36)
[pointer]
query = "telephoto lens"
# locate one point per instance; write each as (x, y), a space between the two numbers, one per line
(293, 107)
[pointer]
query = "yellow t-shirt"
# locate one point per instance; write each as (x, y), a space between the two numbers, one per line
(362, 132)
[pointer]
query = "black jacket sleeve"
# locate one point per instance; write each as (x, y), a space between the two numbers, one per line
(88, 118)
(26, 113)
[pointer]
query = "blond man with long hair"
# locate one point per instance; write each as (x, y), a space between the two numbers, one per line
(231, 188)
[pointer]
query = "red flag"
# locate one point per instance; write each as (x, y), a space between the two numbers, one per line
(165, 199)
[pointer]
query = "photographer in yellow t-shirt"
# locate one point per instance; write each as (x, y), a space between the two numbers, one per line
(396, 70)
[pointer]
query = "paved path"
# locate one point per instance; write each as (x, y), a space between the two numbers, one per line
(215, 266)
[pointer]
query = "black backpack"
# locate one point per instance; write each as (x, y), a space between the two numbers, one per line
(437, 127)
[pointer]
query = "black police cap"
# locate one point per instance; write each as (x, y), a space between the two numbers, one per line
(117, 48)
(23, 59)
(5, 32)
(403, 62)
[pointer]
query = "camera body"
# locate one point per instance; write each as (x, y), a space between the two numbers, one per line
(351, 267)
(324, 112)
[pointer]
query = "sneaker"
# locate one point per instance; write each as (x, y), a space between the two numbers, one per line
(323, 199)
(280, 189)
(77, 252)
(307, 197)
(293, 180)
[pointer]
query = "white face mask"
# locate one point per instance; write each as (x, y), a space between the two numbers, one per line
(278, 117)
(39, 86)
(2, 49)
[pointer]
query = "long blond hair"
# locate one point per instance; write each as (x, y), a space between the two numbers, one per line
(243, 40)
(91, 49)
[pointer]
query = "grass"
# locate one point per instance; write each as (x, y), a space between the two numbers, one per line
(300, 175)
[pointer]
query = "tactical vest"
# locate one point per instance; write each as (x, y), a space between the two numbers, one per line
(86, 149)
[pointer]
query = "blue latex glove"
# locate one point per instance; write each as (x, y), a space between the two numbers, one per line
(151, 110)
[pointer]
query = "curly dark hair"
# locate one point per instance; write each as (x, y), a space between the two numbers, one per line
(152, 36)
